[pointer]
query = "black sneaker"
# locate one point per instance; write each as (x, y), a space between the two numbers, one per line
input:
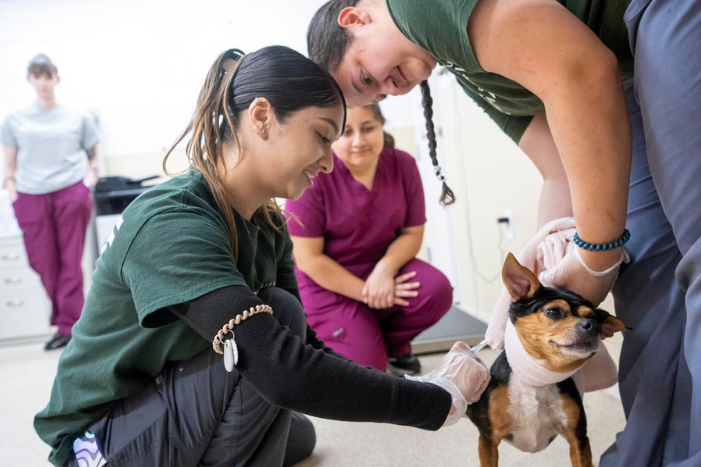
(404, 365)
(57, 342)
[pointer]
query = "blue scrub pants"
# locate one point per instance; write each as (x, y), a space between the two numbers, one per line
(659, 293)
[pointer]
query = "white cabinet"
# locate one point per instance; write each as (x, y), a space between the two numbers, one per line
(24, 307)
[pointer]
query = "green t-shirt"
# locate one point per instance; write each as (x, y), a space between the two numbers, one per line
(171, 246)
(440, 27)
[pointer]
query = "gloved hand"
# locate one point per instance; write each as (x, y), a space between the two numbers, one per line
(463, 375)
(571, 273)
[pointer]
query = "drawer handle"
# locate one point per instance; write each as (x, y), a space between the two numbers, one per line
(10, 257)
(13, 280)
(15, 303)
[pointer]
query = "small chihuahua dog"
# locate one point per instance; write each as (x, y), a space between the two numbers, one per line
(562, 331)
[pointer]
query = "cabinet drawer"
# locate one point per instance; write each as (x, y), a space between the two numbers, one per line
(19, 281)
(12, 254)
(23, 314)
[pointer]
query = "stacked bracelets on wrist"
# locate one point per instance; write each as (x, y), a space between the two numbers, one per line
(602, 246)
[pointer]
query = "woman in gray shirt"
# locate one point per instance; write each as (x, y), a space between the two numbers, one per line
(50, 165)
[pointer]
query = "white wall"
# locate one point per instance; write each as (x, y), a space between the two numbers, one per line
(139, 64)
(489, 175)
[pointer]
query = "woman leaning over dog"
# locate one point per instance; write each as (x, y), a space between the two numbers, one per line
(141, 384)
(605, 97)
(356, 234)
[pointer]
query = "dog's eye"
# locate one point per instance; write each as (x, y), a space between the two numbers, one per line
(553, 313)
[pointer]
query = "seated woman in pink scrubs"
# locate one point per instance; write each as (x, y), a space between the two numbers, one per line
(356, 233)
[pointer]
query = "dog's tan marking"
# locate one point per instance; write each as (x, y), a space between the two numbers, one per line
(586, 312)
(488, 452)
(499, 412)
(580, 450)
(500, 420)
(612, 325)
(537, 330)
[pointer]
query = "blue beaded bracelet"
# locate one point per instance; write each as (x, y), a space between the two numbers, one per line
(602, 246)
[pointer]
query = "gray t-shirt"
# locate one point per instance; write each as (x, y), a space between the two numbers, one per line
(51, 147)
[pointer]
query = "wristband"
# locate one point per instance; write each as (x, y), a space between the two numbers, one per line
(602, 246)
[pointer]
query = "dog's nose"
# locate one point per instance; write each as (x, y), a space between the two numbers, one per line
(589, 325)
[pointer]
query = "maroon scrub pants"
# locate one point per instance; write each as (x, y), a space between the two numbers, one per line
(54, 226)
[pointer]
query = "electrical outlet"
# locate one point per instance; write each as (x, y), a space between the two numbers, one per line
(508, 220)
(509, 225)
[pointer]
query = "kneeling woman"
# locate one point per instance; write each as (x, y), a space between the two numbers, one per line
(356, 233)
(141, 385)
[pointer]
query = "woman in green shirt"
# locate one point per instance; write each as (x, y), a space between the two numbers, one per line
(580, 86)
(198, 263)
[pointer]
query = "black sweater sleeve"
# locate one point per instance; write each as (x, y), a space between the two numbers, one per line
(312, 338)
(295, 376)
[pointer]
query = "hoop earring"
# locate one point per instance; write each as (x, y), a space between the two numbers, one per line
(261, 133)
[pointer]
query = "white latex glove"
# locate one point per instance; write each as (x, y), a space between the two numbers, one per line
(463, 375)
(571, 273)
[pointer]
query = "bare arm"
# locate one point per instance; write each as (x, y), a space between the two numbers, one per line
(542, 46)
(93, 174)
(403, 249)
(538, 144)
(329, 274)
(10, 167)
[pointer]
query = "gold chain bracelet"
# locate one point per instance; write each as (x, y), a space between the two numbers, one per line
(219, 338)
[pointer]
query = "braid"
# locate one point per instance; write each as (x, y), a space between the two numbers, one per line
(447, 195)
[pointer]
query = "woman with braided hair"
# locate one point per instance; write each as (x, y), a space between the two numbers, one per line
(604, 97)
(193, 348)
(356, 234)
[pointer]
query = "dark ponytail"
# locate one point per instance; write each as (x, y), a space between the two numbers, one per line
(287, 79)
(447, 195)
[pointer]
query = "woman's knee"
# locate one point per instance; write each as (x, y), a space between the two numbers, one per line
(443, 291)
(435, 290)
(353, 330)
(287, 309)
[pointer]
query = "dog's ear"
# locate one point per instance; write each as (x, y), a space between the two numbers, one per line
(608, 324)
(519, 281)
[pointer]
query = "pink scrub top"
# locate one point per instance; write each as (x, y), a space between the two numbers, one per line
(357, 224)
